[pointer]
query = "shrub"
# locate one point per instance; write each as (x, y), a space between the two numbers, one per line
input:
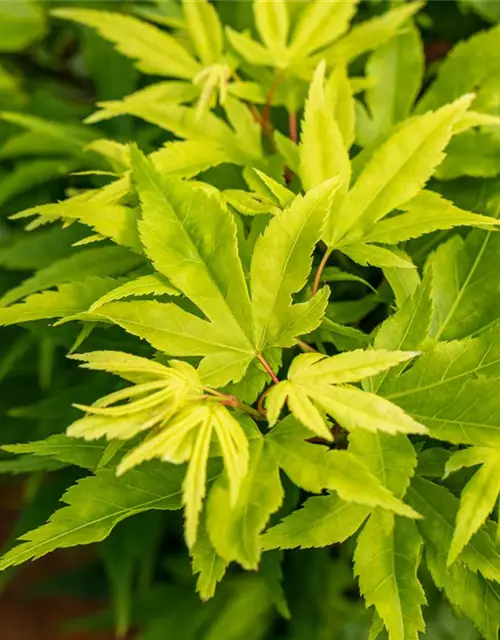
(286, 284)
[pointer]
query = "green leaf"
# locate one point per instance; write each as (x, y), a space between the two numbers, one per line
(207, 564)
(370, 254)
(71, 137)
(398, 63)
(68, 300)
(473, 153)
(425, 213)
(448, 391)
(250, 50)
(439, 508)
(271, 18)
(314, 385)
(488, 10)
(370, 34)
(281, 263)
(235, 528)
(339, 95)
(205, 30)
(406, 329)
(323, 154)
(386, 560)
(62, 449)
(479, 495)
(21, 24)
(95, 505)
(170, 93)
(155, 51)
(319, 24)
(396, 171)
(29, 464)
(466, 68)
(469, 592)
(466, 280)
(404, 282)
(35, 172)
(320, 522)
(149, 285)
(391, 458)
(314, 468)
(105, 261)
(114, 221)
(174, 230)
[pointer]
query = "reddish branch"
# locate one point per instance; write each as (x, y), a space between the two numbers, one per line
(268, 368)
(292, 126)
(320, 270)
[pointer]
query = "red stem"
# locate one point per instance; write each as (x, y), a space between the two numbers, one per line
(260, 402)
(320, 270)
(267, 367)
(292, 126)
(266, 111)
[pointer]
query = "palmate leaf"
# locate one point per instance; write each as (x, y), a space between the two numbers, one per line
(188, 436)
(281, 263)
(395, 173)
(207, 564)
(473, 153)
(273, 23)
(479, 495)
(399, 61)
(234, 529)
(149, 285)
(339, 95)
(386, 560)
(370, 34)
(69, 299)
(63, 449)
(191, 238)
(199, 128)
(468, 592)
(320, 522)
(391, 458)
(318, 25)
(469, 66)
(323, 154)
(170, 401)
(205, 30)
(439, 508)
(170, 92)
(105, 261)
(110, 220)
(449, 392)
(466, 280)
(315, 468)
(425, 213)
(96, 504)
(388, 551)
(317, 383)
(155, 51)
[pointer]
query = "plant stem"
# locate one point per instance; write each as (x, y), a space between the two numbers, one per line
(229, 400)
(266, 111)
(268, 368)
(292, 126)
(320, 270)
(260, 402)
(250, 410)
(306, 347)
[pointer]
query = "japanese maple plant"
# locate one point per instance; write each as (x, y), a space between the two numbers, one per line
(313, 350)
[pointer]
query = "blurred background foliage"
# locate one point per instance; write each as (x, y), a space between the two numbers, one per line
(139, 579)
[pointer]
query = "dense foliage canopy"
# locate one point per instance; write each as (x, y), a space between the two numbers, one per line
(250, 306)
